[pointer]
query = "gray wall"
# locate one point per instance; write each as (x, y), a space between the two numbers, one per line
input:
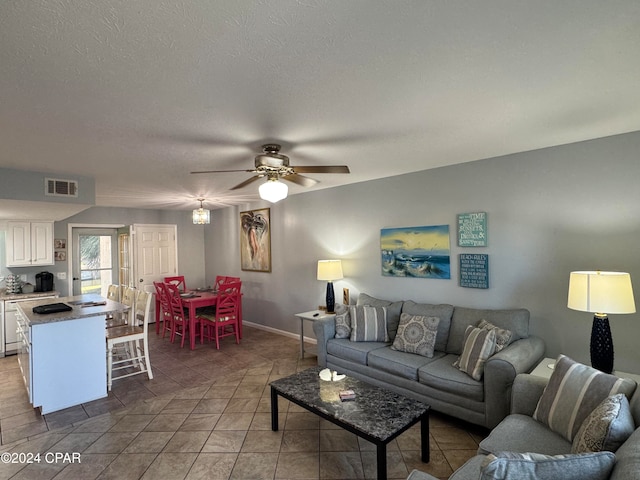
(550, 211)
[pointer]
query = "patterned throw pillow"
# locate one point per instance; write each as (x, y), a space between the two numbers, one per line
(503, 336)
(518, 466)
(573, 392)
(606, 428)
(478, 345)
(368, 324)
(343, 321)
(416, 334)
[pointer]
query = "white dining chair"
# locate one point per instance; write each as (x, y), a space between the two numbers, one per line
(127, 345)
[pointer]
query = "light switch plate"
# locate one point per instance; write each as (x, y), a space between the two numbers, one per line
(61, 275)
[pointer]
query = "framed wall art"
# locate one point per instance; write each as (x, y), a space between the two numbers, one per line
(472, 229)
(421, 252)
(255, 240)
(474, 270)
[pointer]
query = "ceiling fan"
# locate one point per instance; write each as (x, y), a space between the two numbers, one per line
(274, 165)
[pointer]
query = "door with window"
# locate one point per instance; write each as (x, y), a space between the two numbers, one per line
(95, 262)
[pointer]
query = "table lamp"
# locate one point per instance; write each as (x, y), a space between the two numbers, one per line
(330, 270)
(601, 293)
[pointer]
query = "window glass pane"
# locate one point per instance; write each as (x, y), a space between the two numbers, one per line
(95, 263)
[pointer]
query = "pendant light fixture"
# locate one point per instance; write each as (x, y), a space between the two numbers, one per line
(273, 190)
(201, 216)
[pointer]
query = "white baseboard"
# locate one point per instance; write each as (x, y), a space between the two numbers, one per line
(278, 331)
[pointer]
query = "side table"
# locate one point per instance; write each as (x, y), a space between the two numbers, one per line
(311, 316)
(544, 370)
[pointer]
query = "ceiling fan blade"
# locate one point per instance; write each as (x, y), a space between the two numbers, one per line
(247, 182)
(223, 171)
(300, 180)
(322, 169)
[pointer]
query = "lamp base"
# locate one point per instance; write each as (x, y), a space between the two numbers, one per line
(331, 298)
(601, 344)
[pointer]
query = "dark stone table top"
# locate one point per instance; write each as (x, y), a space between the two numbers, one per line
(376, 411)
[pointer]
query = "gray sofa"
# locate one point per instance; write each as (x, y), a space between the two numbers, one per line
(436, 381)
(519, 432)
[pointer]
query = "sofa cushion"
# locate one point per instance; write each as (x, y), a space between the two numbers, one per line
(416, 334)
(521, 433)
(368, 324)
(606, 428)
(443, 312)
(479, 345)
(503, 336)
(573, 392)
(393, 311)
(343, 321)
(401, 364)
(442, 375)
(516, 320)
(522, 466)
(352, 351)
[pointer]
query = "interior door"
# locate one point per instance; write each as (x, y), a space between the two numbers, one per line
(155, 254)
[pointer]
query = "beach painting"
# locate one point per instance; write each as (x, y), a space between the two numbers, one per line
(420, 252)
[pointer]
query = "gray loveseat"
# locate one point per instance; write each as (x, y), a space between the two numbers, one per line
(519, 432)
(435, 380)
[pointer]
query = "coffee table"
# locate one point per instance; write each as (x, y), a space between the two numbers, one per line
(377, 415)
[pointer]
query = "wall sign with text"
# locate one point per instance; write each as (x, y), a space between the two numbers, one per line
(472, 229)
(474, 270)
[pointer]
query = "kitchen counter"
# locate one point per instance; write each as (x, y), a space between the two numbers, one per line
(62, 356)
(23, 296)
(79, 304)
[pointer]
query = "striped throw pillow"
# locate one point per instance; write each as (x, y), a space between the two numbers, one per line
(478, 345)
(503, 336)
(368, 324)
(573, 392)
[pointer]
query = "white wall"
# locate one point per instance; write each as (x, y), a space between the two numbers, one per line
(550, 211)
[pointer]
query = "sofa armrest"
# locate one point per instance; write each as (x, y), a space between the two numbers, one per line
(325, 329)
(500, 371)
(527, 390)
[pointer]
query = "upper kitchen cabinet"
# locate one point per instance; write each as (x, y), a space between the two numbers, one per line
(29, 243)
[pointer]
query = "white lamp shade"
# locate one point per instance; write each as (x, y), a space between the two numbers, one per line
(273, 190)
(201, 216)
(601, 292)
(329, 270)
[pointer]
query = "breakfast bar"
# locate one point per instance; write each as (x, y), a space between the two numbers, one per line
(62, 355)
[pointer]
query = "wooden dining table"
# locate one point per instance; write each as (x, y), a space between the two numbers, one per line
(194, 299)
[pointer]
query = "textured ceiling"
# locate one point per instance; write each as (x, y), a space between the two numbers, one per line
(138, 93)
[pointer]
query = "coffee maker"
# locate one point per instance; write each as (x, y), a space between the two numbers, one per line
(44, 282)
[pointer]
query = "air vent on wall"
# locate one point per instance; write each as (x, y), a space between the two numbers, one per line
(60, 188)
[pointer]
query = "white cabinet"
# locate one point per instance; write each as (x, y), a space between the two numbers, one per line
(29, 243)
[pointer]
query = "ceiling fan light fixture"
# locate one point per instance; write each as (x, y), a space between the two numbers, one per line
(273, 190)
(201, 216)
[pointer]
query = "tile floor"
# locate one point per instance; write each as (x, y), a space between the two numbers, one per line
(206, 415)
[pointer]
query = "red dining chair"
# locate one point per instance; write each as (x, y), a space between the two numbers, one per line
(164, 313)
(225, 320)
(179, 322)
(178, 281)
(220, 279)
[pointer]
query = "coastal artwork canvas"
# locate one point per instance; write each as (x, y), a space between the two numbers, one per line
(420, 252)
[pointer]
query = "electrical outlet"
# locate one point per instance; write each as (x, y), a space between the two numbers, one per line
(23, 278)
(61, 275)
